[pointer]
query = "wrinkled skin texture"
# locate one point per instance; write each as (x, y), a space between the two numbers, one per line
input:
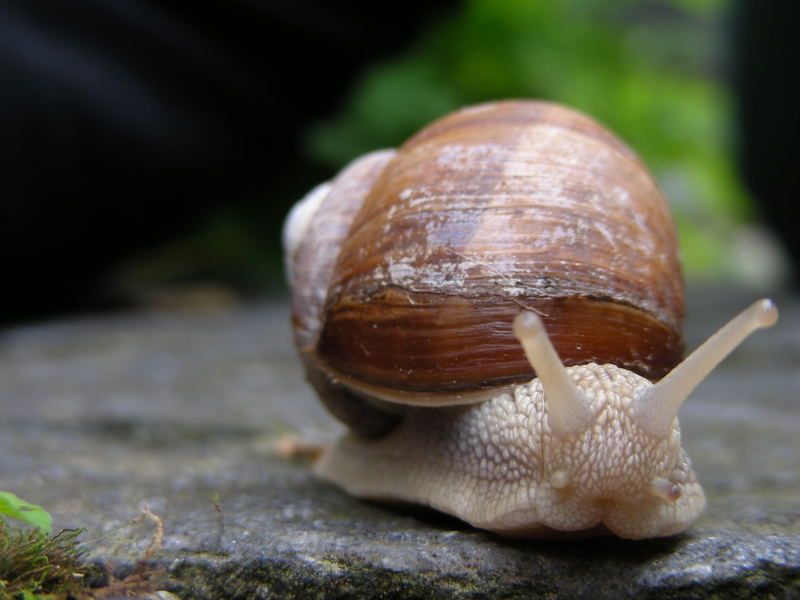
(499, 466)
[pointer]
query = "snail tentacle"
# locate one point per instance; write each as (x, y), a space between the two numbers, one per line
(568, 408)
(657, 407)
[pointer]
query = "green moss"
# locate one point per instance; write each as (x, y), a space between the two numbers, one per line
(36, 565)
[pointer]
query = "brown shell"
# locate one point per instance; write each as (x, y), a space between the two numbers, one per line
(492, 210)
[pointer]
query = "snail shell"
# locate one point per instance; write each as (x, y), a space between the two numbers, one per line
(409, 271)
(417, 261)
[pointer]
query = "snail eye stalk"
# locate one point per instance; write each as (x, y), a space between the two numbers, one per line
(657, 407)
(567, 406)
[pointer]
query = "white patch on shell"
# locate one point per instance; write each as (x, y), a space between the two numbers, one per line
(296, 223)
(401, 272)
(466, 157)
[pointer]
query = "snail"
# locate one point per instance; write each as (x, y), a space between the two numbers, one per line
(495, 311)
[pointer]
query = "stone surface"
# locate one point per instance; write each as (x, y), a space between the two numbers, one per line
(102, 416)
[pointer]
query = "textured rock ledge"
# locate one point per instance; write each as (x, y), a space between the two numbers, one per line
(102, 416)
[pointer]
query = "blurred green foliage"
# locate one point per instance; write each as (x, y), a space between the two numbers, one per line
(648, 70)
(14, 506)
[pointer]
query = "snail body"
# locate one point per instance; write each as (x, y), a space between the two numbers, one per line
(486, 308)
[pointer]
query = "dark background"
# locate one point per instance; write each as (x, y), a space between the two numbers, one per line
(130, 125)
(127, 123)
